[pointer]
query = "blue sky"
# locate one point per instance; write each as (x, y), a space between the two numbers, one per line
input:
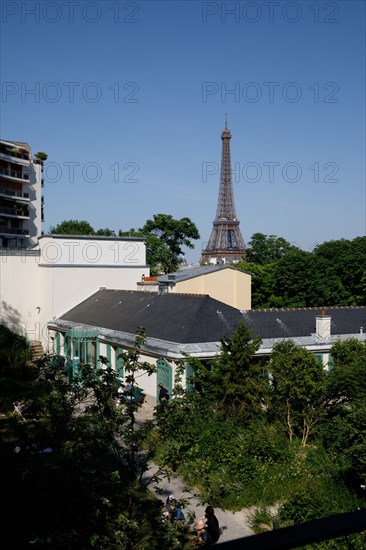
(128, 99)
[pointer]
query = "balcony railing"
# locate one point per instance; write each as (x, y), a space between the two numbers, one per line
(13, 193)
(22, 156)
(13, 231)
(301, 534)
(14, 174)
(14, 211)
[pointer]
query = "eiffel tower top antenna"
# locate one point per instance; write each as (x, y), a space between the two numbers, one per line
(225, 121)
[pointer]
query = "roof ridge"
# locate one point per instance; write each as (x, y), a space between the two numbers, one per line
(311, 308)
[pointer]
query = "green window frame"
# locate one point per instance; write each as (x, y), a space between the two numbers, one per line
(189, 372)
(330, 362)
(164, 375)
(58, 343)
(119, 362)
(81, 346)
(109, 355)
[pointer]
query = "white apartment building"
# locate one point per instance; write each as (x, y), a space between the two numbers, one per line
(21, 201)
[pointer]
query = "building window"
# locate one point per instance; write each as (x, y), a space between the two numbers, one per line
(189, 373)
(81, 347)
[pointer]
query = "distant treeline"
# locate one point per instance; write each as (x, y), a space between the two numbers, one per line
(333, 274)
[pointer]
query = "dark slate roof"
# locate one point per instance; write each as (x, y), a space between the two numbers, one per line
(292, 323)
(191, 272)
(194, 318)
(182, 318)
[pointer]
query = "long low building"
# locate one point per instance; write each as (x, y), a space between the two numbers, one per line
(106, 323)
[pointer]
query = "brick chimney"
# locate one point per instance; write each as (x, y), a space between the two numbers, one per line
(323, 326)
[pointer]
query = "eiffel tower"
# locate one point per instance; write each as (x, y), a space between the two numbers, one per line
(226, 243)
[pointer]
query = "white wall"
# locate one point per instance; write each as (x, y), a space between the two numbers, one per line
(38, 285)
(20, 291)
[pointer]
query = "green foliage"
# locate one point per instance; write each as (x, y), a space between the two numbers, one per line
(261, 519)
(235, 381)
(264, 249)
(73, 227)
(322, 498)
(348, 352)
(297, 389)
(344, 435)
(344, 428)
(239, 459)
(15, 373)
(317, 499)
(333, 274)
(165, 237)
(77, 462)
(82, 227)
(41, 156)
(262, 283)
(291, 276)
(105, 232)
(12, 342)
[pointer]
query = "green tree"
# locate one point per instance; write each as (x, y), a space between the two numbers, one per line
(235, 381)
(130, 233)
(41, 156)
(105, 232)
(346, 263)
(262, 284)
(263, 249)
(165, 237)
(344, 431)
(297, 389)
(72, 227)
(82, 455)
(291, 275)
(333, 274)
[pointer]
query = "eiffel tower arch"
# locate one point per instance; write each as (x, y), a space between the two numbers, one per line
(226, 243)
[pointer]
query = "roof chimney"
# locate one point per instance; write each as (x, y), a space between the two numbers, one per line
(323, 325)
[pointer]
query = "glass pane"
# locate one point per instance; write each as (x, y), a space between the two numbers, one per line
(91, 352)
(75, 348)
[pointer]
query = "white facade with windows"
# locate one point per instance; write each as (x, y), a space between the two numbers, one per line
(21, 201)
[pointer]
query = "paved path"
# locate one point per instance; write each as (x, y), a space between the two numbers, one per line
(233, 525)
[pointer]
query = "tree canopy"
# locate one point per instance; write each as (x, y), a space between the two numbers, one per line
(297, 388)
(165, 237)
(78, 462)
(263, 249)
(41, 155)
(333, 274)
(235, 381)
(73, 227)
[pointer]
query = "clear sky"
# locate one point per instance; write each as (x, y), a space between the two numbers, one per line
(128, 99)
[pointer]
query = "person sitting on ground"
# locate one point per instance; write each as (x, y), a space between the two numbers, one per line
(199, 528)
(173, 510)
(210, 533)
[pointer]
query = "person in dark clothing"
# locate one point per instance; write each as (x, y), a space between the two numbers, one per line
(212, 529)
(163, 393)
